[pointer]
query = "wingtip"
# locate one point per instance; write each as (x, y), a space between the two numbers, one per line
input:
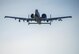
(4, 16)
(70, 16)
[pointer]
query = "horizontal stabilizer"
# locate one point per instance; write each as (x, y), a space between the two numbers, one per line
(40, 23)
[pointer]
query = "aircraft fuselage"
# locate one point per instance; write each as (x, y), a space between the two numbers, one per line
(37, 17)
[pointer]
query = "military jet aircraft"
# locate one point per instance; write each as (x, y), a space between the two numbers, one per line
(38, 19)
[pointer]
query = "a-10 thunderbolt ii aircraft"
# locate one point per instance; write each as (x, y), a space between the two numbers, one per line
(38, 19)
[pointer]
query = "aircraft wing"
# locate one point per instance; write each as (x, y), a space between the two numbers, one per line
(56, 18)
(20, 18)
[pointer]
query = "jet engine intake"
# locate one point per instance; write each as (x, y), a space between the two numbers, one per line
(44, 15)
(32, 15)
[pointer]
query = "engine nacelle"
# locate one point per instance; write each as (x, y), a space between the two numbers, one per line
(32, 15)
(44, 15)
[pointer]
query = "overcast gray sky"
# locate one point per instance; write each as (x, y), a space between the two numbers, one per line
(21, 38)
